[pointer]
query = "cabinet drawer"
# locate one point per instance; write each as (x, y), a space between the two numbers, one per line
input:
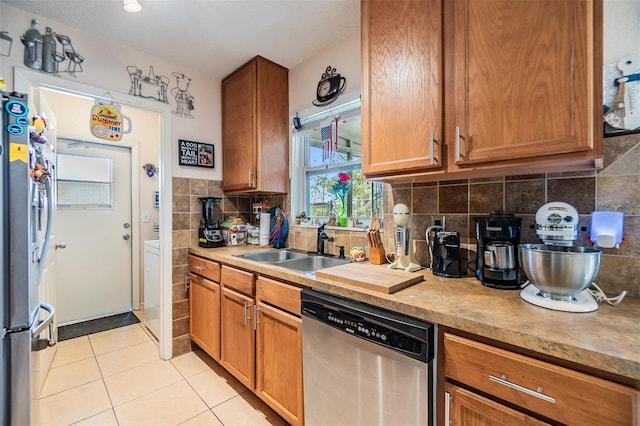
(241, 281)
(283, 296)
(204, 267)
(555, 392)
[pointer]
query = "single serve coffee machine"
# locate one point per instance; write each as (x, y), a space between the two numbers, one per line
(497, 263)
(210, 235)
(445, 253)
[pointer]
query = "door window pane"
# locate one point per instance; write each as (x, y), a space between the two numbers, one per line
(84, 181)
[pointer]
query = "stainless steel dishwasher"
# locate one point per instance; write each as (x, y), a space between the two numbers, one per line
(364, 365)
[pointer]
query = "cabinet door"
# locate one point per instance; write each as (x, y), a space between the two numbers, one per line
(204, 318)
(401, 86)
(273, 130)
(279, 362)
(238, 336)
(523, 81)
(468, 408)
(239, 154)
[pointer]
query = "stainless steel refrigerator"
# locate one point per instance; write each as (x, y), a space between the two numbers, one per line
(26, 210)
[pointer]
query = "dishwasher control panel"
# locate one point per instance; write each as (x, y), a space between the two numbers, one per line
(375, 332)
(403, 334)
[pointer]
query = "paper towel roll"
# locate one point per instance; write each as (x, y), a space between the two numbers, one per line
(265, 228)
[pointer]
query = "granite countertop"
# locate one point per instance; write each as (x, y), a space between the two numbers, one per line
(607, 339)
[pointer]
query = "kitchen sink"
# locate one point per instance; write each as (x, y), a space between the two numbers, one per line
(311, 263)
(273, 256)
(294, 260)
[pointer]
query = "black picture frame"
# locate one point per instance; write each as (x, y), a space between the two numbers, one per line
(195, 154)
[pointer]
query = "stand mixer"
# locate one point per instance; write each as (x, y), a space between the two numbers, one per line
(559, 272)
(402, 239)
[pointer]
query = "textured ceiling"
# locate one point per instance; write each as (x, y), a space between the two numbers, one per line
(215, 36)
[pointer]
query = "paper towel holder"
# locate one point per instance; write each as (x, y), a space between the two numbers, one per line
(607, 228)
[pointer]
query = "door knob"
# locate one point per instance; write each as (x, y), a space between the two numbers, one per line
(126, 236)
(125, 225)
(61, 245)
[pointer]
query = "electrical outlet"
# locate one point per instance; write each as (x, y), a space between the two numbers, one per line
(146, 218)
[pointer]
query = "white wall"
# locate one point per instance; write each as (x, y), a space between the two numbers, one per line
(303, 78)
(621, 29)
(105, 67)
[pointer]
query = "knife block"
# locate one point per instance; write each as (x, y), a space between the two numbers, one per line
(377, 255)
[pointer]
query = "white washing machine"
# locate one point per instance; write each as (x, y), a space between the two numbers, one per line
(151, 297)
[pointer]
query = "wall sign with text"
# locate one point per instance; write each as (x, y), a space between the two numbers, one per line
(196, 154)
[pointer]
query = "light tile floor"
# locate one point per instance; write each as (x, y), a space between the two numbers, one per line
(117, 378)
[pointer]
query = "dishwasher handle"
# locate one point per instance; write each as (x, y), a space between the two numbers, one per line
(350, 315)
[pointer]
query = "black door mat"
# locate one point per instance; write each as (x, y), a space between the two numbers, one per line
(95, 326)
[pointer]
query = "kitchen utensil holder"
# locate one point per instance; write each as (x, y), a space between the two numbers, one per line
(377, 255)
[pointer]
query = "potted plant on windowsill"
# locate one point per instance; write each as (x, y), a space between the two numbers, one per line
(340, 187)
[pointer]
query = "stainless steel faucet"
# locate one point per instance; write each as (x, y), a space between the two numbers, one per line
(322, 236)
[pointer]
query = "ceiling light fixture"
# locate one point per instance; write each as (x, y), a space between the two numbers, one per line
(132, 6)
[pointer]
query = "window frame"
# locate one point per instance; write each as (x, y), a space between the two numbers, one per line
(299, 156)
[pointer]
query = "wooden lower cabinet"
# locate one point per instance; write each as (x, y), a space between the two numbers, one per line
(279, 362)
(464, 407)
(261, 333)
(238, 336)
(512, 385)
(204, 304)
(204, 318)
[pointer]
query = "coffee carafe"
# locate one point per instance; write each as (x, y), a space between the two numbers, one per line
(210, 235)
(498, 236)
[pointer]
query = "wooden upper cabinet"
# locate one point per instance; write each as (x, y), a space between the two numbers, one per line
(524, 81)
(503, 86)
(255, 131)
(401, 86)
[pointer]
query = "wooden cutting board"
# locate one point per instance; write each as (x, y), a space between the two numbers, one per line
(372, 277)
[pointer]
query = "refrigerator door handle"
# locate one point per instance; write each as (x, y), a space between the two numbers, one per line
(47, 236)
(38, 344)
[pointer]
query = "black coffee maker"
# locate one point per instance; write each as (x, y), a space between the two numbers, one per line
(210, 235)
(497, 263)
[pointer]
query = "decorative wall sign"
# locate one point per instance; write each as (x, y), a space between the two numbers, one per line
(196, 154)
(622, 96)
(184, 99)
(106, 120)
(150, 86)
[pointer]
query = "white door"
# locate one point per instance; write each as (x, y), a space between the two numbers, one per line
(94, 276)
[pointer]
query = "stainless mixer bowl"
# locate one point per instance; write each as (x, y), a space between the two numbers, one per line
(559, 272)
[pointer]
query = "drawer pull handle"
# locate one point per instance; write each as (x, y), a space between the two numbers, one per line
(199, 268)
(538, 394)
